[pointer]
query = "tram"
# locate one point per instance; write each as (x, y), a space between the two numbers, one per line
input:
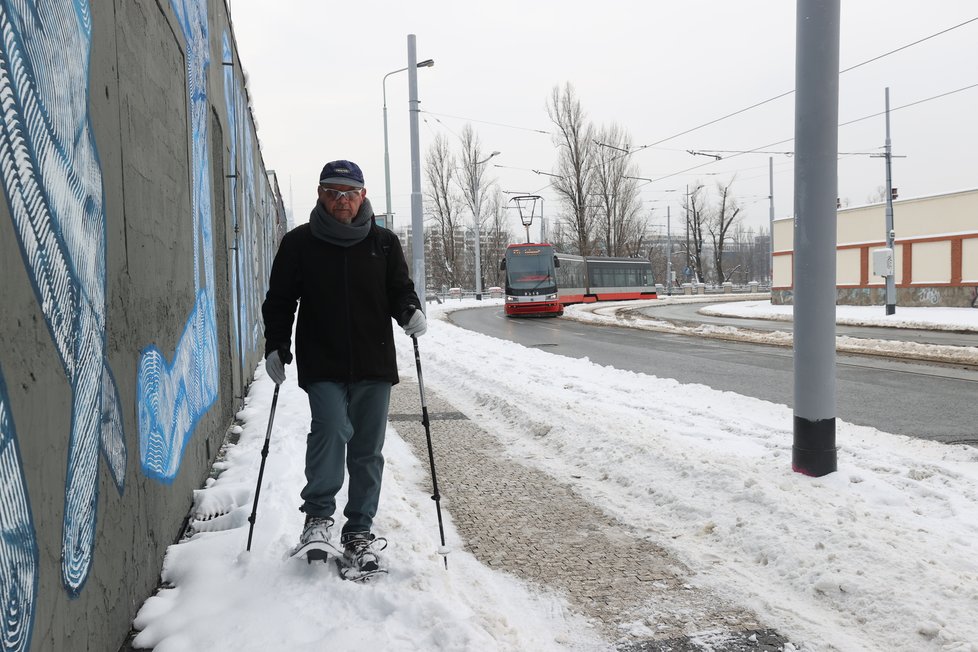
(540, 281)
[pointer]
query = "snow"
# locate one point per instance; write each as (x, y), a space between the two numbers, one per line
(881, 555)
(944, 319)
(948, 319)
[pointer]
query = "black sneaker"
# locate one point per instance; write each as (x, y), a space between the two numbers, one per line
(360, 551)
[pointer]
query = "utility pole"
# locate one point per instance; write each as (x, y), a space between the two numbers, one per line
(689, 260)
(417, 213)
(669, 255)
(476, 214)
(891, 277)
(476, 197)
(770, 233)
(814, 451)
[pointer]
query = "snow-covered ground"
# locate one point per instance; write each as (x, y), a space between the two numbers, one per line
(882, 555)
(952, 319)
(945, 319)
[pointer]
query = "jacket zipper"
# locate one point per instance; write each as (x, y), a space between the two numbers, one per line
(349, 319)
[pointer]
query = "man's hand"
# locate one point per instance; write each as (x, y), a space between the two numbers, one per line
(275, 368)
(416, 325)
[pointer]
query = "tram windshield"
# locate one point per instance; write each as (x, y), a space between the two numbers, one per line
(530, 268)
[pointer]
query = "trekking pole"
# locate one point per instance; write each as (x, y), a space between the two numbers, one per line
(443, 551)
(261, 469)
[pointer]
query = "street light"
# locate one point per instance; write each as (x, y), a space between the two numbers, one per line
(427, 63)
(476, 211)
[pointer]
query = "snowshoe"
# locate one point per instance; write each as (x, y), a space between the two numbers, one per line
(360, 561)
(314, 542)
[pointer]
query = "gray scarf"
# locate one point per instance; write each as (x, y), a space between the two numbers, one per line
(326, 227)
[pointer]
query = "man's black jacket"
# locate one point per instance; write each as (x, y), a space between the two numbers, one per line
(346, 297)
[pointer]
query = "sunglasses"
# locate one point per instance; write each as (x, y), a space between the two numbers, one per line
(332, 193)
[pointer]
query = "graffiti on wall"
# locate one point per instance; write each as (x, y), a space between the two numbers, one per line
(173, 395)
(253, 217)
(18, 543)
(52, 182)
(232, 104)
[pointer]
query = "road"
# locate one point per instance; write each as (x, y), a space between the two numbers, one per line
(918, 400)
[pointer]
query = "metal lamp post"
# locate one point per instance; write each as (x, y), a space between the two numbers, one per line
(427, 63)
(476, 211)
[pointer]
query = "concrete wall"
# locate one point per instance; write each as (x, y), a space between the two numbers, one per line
(136, 232)
(935, 252)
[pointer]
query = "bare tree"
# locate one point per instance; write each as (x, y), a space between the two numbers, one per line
(574, 173)
(621, 228)
(694, 204)
(751, 253)
(877, 197)
(655, 248)
(558, 235)
(474, 186)
(718, 225)
(498, 237)
(444, 207)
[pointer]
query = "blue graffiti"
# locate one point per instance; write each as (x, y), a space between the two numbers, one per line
(231, 106)
(18, 543)
(52, 181)
(248, 272)
(173, 396)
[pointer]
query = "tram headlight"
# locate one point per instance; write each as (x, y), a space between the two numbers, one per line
(551, 297)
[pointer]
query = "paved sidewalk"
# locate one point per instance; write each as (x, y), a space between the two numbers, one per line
(522, 521)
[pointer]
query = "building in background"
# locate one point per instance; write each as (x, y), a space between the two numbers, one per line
(935, 252)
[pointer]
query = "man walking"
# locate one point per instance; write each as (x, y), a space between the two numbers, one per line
(348, 278)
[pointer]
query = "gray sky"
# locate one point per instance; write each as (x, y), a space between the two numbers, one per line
(658, 69)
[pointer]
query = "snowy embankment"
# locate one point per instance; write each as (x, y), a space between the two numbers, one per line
(945, 319)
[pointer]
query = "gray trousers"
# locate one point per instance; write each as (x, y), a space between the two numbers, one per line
(349, 421)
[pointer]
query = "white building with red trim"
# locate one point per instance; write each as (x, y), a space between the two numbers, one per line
(935, 252)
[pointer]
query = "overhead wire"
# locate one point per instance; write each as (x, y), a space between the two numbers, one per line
(909, 45)
(449, 129)
(904, 106)
(842, 124)
(740, 111)
(785, 94)
(721, 118)
(497, 124)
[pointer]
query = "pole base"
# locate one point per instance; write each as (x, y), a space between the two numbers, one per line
(814, 452)
(891, 308)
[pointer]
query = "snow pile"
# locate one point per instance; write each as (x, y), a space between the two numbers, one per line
(219, 597)
(950, 319)
(882, 555)
(947, 319)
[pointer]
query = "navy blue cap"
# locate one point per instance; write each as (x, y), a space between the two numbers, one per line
(342, 173)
